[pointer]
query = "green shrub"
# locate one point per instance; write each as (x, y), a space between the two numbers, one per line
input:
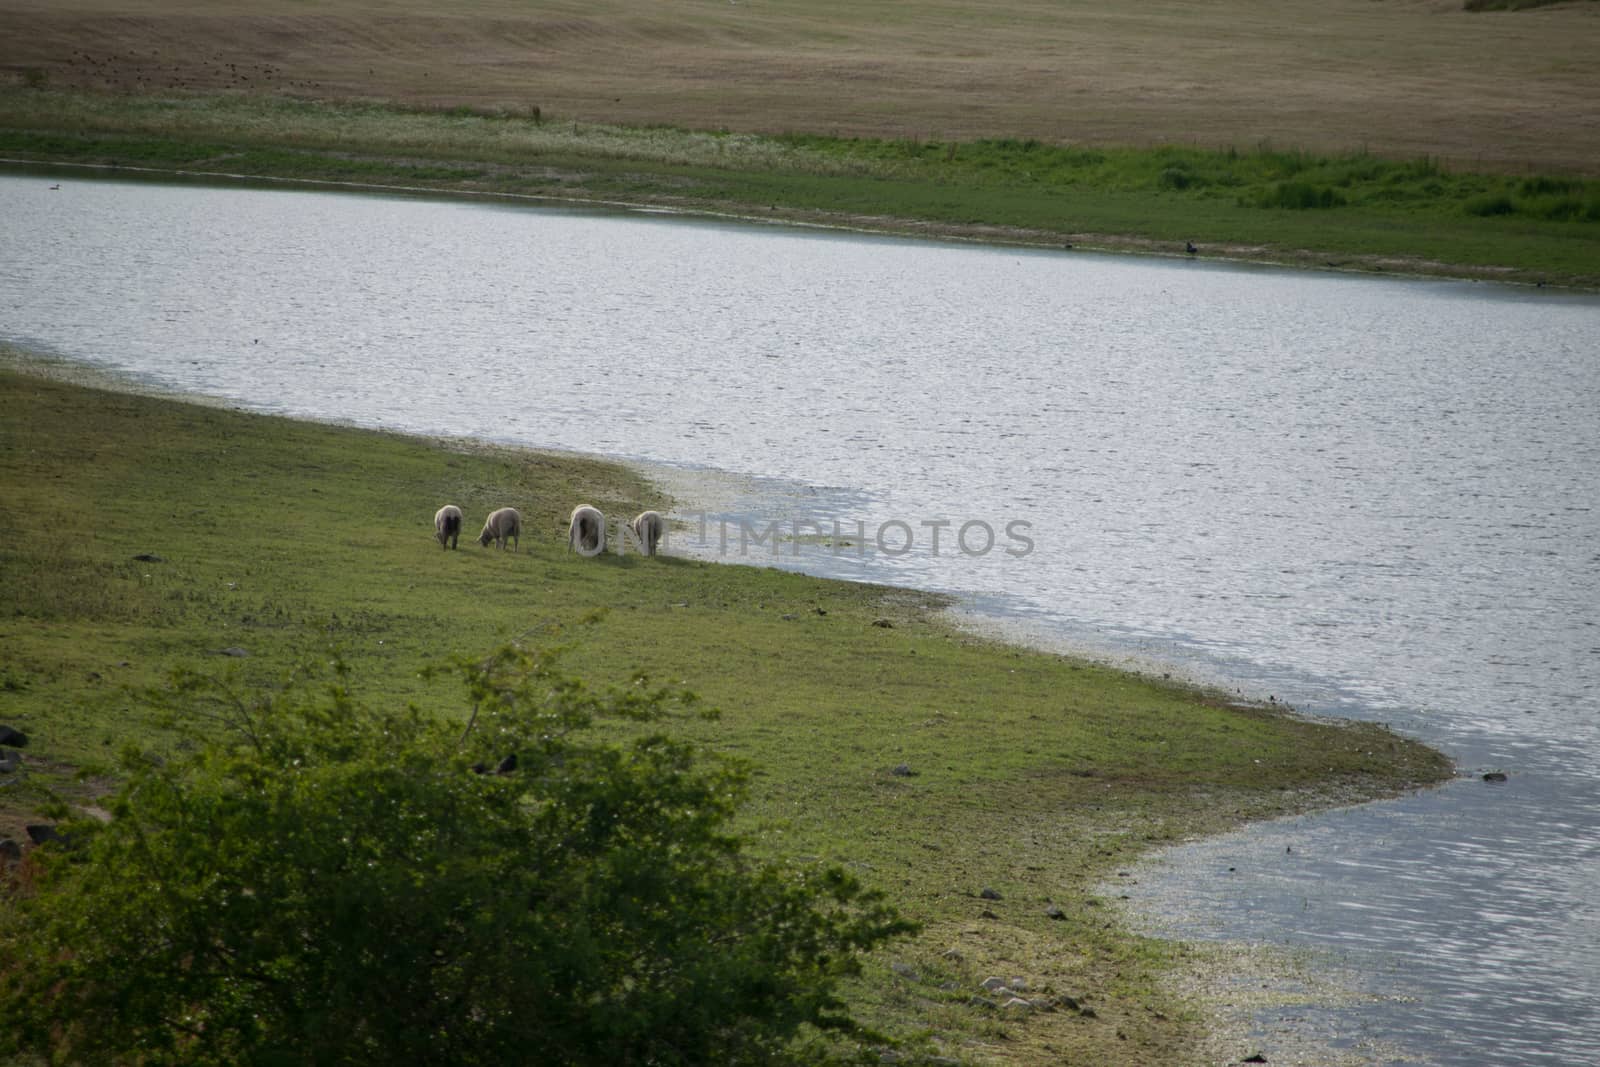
(334, 884)
(1299, 196)
(1556, 208)
(1543, 186)
(1179, 178)
(1285, 164)
(1423, 167)
(1488, 206)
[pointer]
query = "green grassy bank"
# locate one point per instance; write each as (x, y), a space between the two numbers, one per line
(1356, 212)
(1033, 774)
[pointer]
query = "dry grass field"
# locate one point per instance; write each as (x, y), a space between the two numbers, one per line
(1502, 91)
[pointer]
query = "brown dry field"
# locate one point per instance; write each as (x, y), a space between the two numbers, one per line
(1498, 91)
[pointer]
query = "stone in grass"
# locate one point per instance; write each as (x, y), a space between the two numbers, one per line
(1073, 1004)
(990, 893)
(903, 770)
(1055, 912)
(996, 984)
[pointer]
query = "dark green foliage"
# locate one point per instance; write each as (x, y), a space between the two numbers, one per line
(1554, 207)
(1298, 196)
(1545, 186)
(1178, 178)
(336, 884)
(1489, 206)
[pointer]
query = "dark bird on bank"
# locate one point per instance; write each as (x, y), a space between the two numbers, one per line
(1188, 246)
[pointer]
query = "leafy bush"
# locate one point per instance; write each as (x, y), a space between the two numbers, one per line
(1423, 167)
(1489, 206)
(330, 883)
(1299, 196)
(1178, 178)
(1555, 207)
(1546, 186)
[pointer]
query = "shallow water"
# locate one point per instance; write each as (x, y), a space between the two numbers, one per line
(1363, 496)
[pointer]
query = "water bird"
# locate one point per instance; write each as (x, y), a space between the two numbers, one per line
(1188, 246)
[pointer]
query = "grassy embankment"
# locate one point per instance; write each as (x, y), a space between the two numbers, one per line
(1034, 774)
(1347, 211)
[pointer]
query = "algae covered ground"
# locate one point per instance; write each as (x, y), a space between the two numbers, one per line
(141, 533)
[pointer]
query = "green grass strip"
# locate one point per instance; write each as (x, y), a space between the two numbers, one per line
(1353, 211)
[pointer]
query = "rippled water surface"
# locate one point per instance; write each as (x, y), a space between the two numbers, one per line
(1365, 496)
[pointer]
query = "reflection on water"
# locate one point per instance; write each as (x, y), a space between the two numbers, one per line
(1467, 915)
(1364, 496)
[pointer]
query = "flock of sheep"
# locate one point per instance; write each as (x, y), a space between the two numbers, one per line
(586, 531)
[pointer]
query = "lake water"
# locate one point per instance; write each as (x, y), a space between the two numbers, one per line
(1363, 496)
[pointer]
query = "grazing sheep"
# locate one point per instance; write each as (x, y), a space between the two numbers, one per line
(501, 526)
(447, 525)
(586, 534)
(650, 528)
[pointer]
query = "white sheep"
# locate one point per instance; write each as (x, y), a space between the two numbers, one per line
(650, 528)
(447, 525)
(586, 534)
(502, 525)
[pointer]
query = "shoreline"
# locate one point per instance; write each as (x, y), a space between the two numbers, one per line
(1390, 266)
